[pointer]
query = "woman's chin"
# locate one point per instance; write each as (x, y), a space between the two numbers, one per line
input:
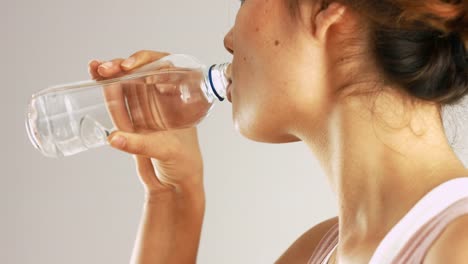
(263, 135)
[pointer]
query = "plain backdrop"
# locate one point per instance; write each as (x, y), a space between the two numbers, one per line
(86, 208)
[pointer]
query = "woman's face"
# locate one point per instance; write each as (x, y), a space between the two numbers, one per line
(276, 71)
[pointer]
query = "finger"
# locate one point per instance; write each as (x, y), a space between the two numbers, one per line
(117, 106)
(135, 109)
(160, 145)
(169, 95)
(162, 76)
(154, 107)
(140, 58)
(92, 68)
(194, 107)
(110, 68)
(144, 102)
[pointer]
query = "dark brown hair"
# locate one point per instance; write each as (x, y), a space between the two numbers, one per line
(420, 45)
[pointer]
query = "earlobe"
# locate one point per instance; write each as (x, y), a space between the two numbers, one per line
(329, 15)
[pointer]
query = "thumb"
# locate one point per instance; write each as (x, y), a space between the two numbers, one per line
(159, 145)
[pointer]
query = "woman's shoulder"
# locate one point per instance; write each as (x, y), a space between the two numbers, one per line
(301, 250)
(435, 230)
(451, 245)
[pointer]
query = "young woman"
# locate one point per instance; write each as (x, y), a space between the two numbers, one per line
(362, 84)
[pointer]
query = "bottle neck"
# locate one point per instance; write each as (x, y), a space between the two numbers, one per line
(215, 81)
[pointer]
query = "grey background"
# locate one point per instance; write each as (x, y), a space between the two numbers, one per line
(86, 208)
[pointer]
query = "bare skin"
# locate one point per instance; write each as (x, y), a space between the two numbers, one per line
(379, 163)
(169, 165)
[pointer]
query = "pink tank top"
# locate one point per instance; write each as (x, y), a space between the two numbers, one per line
(410, 239)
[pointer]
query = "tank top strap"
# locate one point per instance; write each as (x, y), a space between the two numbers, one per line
(409, 240)
(326, 245)
(416, 248)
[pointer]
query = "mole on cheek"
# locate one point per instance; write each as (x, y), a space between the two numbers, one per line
(257, 29)
(277, 42)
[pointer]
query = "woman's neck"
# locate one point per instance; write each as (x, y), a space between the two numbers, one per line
(380, 164)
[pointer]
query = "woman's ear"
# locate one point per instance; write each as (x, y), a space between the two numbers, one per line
(326, 17)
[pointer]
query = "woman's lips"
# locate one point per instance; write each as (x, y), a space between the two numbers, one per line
(228, 72)
(229, 78)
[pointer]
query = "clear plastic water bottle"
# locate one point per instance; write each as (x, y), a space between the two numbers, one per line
(174, 92)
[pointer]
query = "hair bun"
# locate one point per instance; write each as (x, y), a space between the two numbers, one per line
(420, 45)
(459, 54)
(428, 64)
(448, 16)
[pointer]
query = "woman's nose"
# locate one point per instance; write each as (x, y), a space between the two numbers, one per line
(228, 42)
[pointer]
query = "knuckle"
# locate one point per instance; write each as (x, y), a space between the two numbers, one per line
(150, 55)
(147, 52)
(140, 56)
(139, 53)
(116, 61)
(146, 56)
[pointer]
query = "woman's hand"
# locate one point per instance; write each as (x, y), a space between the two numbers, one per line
(167, 160)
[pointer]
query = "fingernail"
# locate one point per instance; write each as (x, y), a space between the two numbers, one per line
(128, 62)
(118, 141)
(106, 65)
(93, 61)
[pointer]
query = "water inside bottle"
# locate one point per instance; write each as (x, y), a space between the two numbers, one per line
(69, 121)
